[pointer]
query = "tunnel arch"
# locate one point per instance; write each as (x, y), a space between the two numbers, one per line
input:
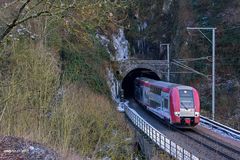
(128, 81)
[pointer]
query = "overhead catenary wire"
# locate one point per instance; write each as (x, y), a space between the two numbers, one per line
(225, 31)
(208, 58)
(228, 29)
(189, 68)
(179, 72)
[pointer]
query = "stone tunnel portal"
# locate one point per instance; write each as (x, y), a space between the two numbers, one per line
(128, 80)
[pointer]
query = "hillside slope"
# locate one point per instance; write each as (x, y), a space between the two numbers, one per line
(154, 22)
(53, 79)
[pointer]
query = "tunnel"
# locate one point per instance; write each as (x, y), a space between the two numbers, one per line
(128, 80)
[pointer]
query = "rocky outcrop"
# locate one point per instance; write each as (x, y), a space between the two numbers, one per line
(12, 148)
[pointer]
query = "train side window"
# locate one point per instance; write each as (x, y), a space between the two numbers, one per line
(154, 104)
(155, 90)
(146, 94)
(165, 103)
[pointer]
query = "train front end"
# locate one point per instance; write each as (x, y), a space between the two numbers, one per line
(185, 106)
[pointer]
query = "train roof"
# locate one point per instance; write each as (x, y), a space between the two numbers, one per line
(160, 83)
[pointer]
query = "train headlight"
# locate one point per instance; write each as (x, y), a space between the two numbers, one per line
(177, 114)
(197, 114)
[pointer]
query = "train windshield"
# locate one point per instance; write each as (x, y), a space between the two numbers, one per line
(186, 99)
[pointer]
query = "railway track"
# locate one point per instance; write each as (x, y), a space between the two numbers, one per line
(226, 151)
(200, 143)
(230, 132)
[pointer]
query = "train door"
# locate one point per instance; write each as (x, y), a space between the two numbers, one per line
(165, 105)
(155, 98)
(137, 90)
(146, 95)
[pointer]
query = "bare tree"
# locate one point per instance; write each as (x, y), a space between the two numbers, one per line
(28, 10)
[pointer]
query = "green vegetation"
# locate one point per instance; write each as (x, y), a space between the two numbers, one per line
(58, 49)
(85, 65)
(44, 54)
(79, 124)
(29, 79)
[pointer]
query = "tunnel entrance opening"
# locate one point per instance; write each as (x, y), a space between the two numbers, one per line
(128, 81)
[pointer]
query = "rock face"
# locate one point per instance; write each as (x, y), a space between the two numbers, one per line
(13, 148)
(154, 22)
(121, 46)
(150, 23)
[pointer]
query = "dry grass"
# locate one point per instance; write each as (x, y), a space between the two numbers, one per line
(84, 123)
(28, 84)
(90, 125)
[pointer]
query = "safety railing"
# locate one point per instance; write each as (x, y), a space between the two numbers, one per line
(158, 138)
(220, 128)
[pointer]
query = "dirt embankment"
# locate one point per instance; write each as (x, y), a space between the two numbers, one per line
(13, 148)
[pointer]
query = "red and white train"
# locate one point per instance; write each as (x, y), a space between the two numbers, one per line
(175, 103)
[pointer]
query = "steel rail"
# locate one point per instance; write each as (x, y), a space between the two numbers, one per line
(231, 149)
(219, 143)
(158, 138)
(208, 139)
(220, 127)
(162, 141)
(210, 147)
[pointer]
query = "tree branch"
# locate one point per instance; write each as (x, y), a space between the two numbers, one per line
(13, 24)
(19, 13)
(43, 13)
(47, 12)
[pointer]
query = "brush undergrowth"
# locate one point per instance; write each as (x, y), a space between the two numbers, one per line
(29, 79)
(85, 65)
(84, 122)
(90, 125)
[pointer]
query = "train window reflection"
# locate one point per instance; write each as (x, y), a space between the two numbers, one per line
(165, 103)
(155, 90)
(186, 99)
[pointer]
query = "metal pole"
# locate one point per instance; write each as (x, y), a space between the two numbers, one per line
(168, 59)
(213, 61)
(213, 73)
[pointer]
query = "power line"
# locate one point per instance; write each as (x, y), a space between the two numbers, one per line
(213, 30)
(179, 72)
(208, 58)
(226, 29)
(189, 68)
